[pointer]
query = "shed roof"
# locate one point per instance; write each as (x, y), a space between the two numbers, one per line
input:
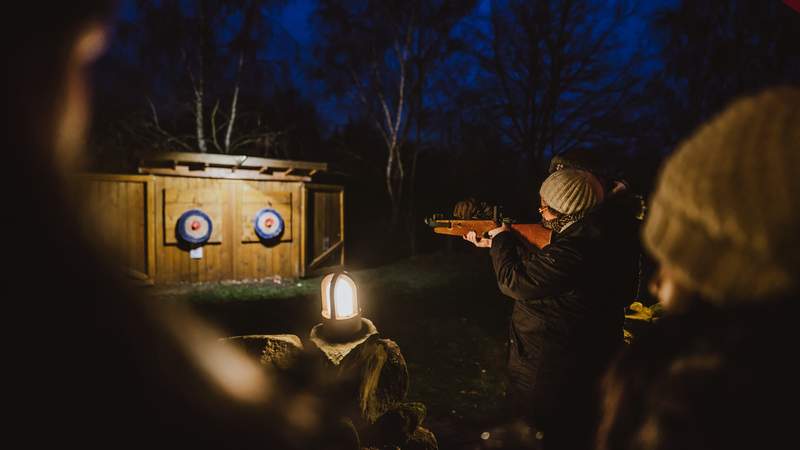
(238, 167)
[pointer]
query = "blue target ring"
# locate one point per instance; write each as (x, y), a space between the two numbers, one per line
(268, 224)
(194, 226)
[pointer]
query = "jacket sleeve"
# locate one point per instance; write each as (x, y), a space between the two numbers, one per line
(531, 273)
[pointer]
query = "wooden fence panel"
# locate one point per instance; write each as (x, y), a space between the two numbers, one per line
(121, 218)
(256, 259)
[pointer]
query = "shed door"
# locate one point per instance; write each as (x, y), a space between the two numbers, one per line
(325, 228)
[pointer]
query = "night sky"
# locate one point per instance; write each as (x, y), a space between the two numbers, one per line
(294, 39)
(295, 20)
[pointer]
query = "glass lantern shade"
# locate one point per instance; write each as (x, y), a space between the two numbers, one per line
(339, 297)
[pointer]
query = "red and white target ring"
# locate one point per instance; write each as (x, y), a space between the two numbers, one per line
(268, 224)
(194, 226)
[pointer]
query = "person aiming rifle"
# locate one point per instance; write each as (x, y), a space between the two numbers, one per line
(564, 327)
(469, 216)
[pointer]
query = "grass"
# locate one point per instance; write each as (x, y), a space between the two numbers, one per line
(444, 311)
(257, 291)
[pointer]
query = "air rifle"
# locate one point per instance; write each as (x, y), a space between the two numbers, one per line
(532, 233)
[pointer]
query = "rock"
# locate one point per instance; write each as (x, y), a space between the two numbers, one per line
(397, 425)
(277, 350)
(373, 372)
(343, 437)
(422, 439)
(383, 376)
(335, 352)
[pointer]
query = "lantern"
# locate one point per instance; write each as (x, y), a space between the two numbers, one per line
(341, 314)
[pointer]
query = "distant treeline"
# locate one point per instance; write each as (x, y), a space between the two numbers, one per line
(421, 103)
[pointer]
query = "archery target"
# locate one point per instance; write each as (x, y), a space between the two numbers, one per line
(268, 224)
(194, 226)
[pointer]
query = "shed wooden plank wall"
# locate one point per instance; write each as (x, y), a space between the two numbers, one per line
(131, 211)
(230, 258)
(121, 213)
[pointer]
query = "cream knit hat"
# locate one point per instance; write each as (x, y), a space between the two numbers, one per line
(725, 217)
(571, 191)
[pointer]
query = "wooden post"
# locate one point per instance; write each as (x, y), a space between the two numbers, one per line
(303, 228)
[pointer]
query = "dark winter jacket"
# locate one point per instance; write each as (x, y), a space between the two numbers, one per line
(619, 218)
(567, 320)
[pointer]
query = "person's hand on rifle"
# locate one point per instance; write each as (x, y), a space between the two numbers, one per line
(485, 242)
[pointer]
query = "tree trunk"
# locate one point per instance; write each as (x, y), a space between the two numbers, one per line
(394, 183)
(233, 104)
(198, 114)
(411, 213)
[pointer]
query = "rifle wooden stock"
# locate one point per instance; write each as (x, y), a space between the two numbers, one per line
(532, 233)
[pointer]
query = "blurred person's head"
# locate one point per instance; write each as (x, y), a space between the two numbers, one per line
(103, 363)
(723, 222)
(566, 196)
(51, 48)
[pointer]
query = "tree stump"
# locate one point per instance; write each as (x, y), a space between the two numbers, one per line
(374, 371)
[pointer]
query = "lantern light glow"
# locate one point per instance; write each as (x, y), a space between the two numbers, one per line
(345, 298)
(340, 311)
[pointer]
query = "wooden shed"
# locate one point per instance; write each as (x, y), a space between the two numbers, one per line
(138, 215)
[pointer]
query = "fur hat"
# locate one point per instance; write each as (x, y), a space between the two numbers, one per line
(725, 216)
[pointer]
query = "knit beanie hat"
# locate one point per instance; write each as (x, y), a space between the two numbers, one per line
(725, 216)
(571, 191)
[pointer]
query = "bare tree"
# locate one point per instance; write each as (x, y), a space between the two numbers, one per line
(551, 69)
(199, 54)
(715, 50)
(381, 52)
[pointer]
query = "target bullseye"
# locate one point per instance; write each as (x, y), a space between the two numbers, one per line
(194, 226)
(268, 224)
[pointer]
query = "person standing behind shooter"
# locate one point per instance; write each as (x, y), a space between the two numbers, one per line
(620, 215)
(563, 327)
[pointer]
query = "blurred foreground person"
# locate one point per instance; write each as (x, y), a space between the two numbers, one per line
(718, 380)
(724, 219)
(717, 372)
(565, 325)
(92, 364)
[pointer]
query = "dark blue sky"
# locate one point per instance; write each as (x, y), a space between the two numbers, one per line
(294, 39)
(295, 20)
